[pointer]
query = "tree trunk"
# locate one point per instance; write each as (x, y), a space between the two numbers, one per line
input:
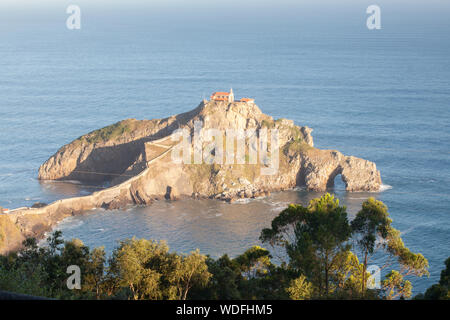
(185, 293)
(326, 274)
(363, 286)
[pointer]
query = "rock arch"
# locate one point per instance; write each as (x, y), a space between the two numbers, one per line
(332, 177)
(319, 168)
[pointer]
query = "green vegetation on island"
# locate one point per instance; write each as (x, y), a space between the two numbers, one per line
(110, 132)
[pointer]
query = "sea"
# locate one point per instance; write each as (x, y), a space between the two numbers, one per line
(382, 95)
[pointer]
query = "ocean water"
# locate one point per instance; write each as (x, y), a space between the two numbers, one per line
(381, 95)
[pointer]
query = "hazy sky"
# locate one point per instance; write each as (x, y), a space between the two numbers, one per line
(414, 14)
(230, 5)
(213, 3)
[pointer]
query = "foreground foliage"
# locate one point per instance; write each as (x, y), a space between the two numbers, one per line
(317, 246)
(318, 239)
(441, 290)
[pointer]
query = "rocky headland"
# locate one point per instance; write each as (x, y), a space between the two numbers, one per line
(136, 158)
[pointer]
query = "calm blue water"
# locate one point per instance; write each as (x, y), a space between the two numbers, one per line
(381, 95)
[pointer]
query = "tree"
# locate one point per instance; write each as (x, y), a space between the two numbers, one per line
(225, 282)
(372, 230)
(149, 271)
(54, 242)
(129, 265)
(254, 262)
(42, 270)
(22, 276)
(346, 275)
(410, 263)
(445, 274)
(191, 271)
(50, 259)
(300, 289)
(320, 233)
(95, 272)
(396, 286)
(371, 222)
(441, 290)
(316, 241)
(75, 252)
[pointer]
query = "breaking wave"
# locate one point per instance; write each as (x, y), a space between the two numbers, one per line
(385, 187)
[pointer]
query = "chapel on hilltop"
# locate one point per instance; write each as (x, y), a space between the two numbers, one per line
(229, 97)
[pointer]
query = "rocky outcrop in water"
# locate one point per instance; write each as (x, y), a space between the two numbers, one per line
(123, 150)
(136, 158)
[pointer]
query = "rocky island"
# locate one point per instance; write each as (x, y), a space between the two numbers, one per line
(135, 157)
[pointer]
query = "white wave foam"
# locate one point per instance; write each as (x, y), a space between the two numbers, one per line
(69, 223)
(385, 187)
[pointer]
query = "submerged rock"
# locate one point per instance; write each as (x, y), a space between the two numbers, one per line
(38, 205)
